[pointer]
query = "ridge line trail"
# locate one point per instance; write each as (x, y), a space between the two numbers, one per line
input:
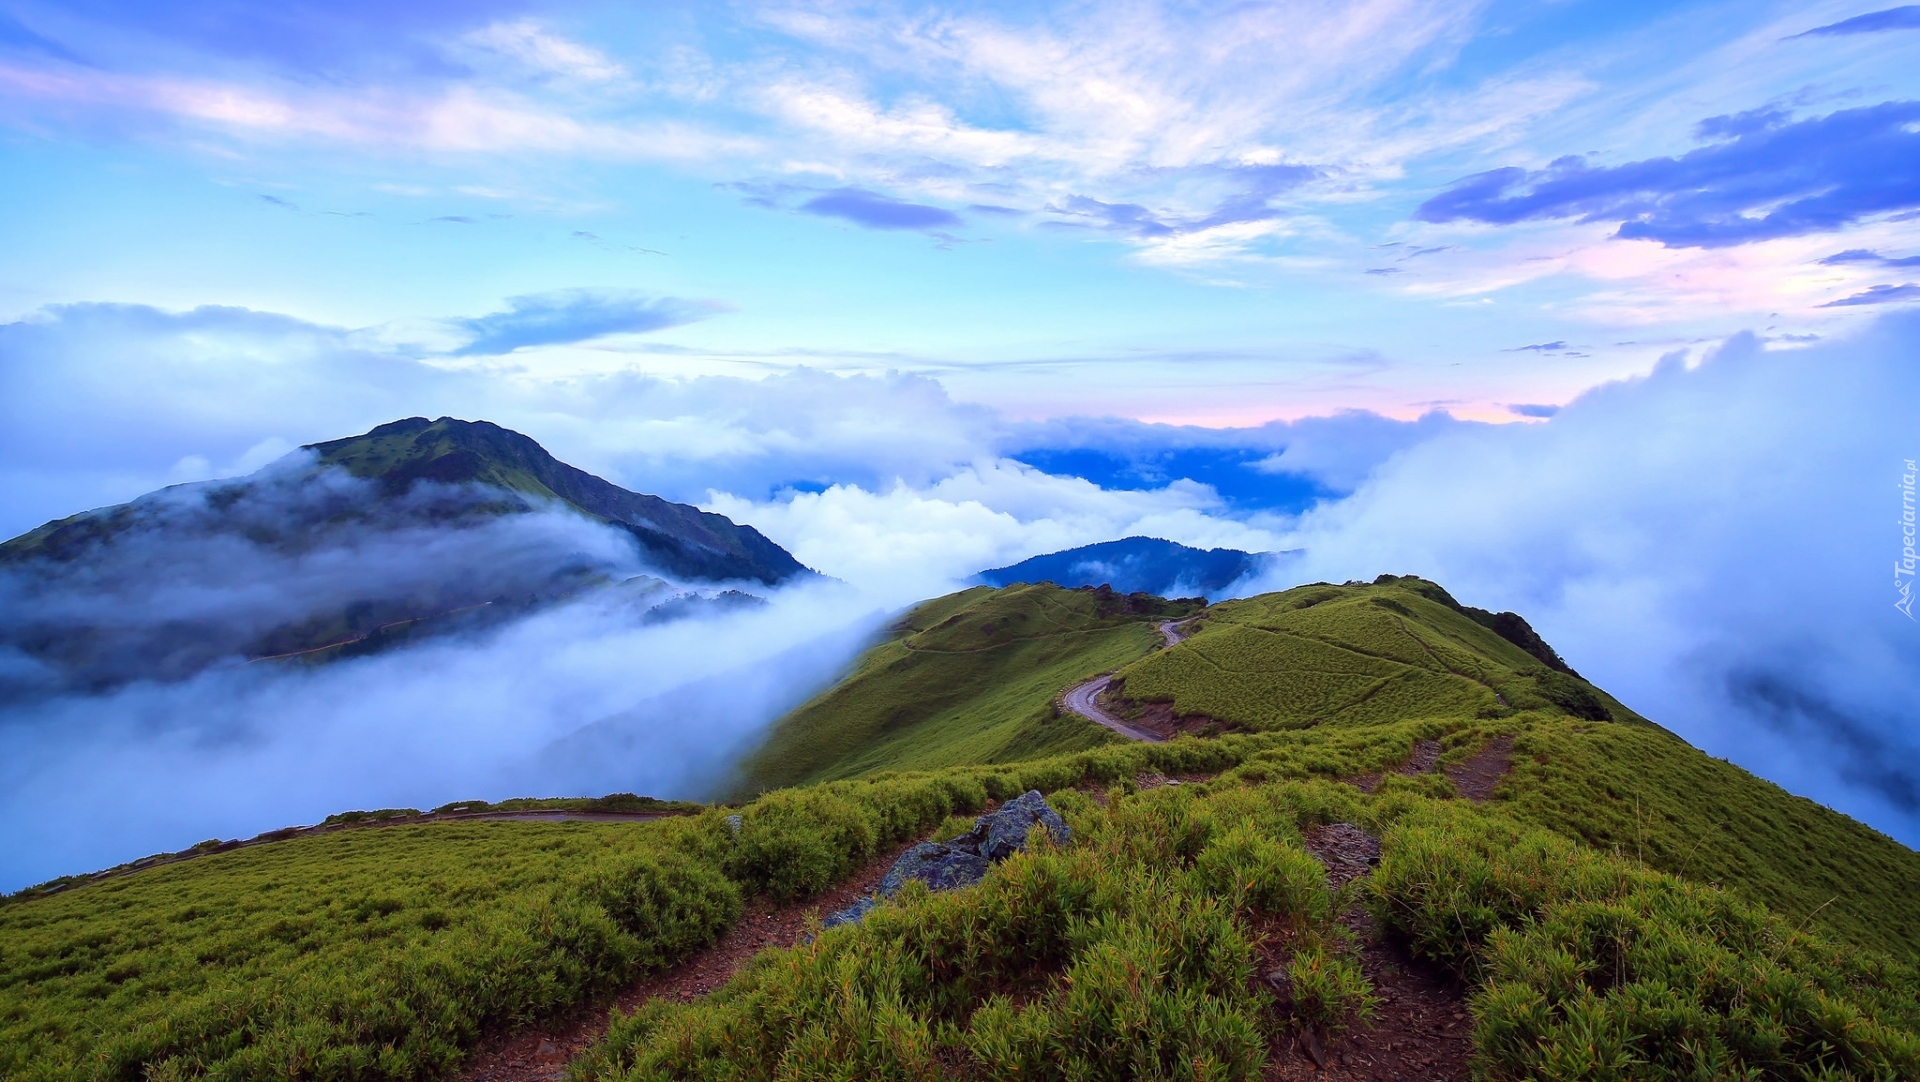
(539, 1051)
(1082, 698)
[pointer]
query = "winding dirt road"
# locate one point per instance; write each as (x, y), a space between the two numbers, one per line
(1083, 699)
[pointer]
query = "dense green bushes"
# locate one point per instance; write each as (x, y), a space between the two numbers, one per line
(1593, 967)
(1130, 955)
(794, 843)
(385, 953)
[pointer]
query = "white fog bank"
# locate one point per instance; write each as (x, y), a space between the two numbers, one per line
(90, 781)
(1715, 544)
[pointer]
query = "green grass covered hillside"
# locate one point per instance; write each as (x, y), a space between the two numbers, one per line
(967, 678)
(1356, 656)
(1605, 901)
(1188, 933)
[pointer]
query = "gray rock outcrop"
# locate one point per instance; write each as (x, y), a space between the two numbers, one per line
(964, 861)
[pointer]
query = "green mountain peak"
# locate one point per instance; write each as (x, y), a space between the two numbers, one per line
(682, 540)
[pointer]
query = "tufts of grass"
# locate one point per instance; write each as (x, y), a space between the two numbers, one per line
(1129, 955)
(1646, 794)
(1622, 896)
(385, 954)
(372, 954)
(1592, 966)
(1132, 954)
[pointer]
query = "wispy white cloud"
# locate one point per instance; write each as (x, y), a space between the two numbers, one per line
(543, 52)
(219, 388)
(1180, 117)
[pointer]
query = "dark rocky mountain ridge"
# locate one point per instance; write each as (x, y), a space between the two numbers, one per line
(416, 528)
(680, 540)
(1135, 565)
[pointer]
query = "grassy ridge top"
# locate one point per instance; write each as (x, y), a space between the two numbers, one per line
(365, 953)
(964, 679)
(1361, 654)
(385, 954)
(1148, 948)
(1402, 649)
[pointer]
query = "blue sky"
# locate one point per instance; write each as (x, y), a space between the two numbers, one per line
(1601, 311)
(1007, 197)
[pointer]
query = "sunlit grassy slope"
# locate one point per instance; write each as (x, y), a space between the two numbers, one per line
(967, 678)
(1354, 656)
(1624, 907)
(1144, 950)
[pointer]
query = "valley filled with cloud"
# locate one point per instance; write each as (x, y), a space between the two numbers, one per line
(1603, 314)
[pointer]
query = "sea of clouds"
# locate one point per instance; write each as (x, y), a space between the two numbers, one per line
(1715, 543)
(1712, 541)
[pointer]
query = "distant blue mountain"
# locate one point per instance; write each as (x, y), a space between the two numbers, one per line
(1135, 564)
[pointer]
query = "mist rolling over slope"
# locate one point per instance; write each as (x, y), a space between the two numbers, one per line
(91, 781)
(1718, 542)
(228, 657)
(1418, 498)
(415, 528)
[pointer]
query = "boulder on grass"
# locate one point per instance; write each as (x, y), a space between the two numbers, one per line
(940, 866)
(963, 861)
(1003, 833)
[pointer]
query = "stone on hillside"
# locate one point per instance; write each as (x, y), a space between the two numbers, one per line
(851, 914)
(1004, 832)
(963, 861)
(939, 865)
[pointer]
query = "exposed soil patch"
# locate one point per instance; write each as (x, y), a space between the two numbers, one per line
(1425, 754)
(1346, 850)
(541, 1054)
(1095, 793)
(1159, 718)
(1476, 777)
(1420, 1028)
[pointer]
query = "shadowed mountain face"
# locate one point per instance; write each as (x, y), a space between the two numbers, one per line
(1135, 565)
(416, 528)
(678, 540)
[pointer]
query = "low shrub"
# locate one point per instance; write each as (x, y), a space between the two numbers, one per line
(1329, 990)
(1129, 955)
(1595, 967)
